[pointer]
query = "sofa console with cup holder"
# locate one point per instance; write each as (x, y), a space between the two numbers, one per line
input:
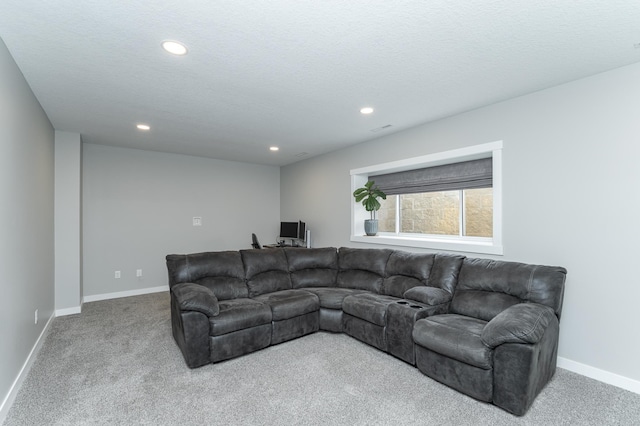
(486, 328)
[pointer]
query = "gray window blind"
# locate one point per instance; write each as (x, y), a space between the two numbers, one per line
(449, 177)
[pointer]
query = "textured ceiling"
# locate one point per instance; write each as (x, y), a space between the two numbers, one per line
(295, 73)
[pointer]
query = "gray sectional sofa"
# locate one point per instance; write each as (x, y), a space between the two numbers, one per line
(486, 328)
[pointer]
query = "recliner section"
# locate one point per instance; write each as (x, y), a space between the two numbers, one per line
(498, 342)
(486, 328)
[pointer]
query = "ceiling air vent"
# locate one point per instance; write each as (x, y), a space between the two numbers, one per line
(381, 128)
(302, 154)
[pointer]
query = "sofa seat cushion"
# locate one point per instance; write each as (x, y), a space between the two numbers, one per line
(238, 314)
(331, 298)
(287, 304)
(369, 307)
(454, 336)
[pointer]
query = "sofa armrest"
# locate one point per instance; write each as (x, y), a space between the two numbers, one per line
(428, 295)
(196, 297)
(521, 323)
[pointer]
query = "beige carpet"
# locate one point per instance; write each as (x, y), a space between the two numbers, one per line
(117, 364)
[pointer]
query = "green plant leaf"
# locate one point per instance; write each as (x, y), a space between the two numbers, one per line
(372, 204)
(379, 193)
(369, 195)
(360, 193)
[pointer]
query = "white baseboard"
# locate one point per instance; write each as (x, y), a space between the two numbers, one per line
(68, 311)
(600, 375)
(17, 383)
(118, 295)
(107, 296)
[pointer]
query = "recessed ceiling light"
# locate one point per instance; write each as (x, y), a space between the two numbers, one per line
(274, 148)
(366, 110)
(143, 127)
(174, 47)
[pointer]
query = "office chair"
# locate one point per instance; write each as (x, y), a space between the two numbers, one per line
(254, 242)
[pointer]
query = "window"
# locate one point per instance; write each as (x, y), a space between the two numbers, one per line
(451, 201)
(464, 213)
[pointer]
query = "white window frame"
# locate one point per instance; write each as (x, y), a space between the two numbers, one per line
(491, 245)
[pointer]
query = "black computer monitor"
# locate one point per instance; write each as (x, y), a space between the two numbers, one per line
(301, 230)
(289, 230)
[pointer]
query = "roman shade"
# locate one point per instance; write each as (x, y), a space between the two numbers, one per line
(448, 177)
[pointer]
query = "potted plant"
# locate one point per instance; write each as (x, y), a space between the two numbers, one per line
(369, 195)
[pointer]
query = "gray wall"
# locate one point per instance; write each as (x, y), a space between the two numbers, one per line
(138, 207)
(68, 222)
(26, 220)
(570, 198)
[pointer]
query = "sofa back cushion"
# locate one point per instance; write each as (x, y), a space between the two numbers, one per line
(362, 269)
(406, 270)
(266, 271)
(487, 287)
(446, 271)
(316, 267)
(222, 272)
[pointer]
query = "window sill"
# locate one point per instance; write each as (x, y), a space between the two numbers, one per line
(448, 244)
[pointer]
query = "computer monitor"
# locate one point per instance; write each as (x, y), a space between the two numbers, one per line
(289, 230)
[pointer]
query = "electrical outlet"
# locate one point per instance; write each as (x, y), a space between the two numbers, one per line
(117, 275)
(138, 273)
(197, 221)
(36, 317)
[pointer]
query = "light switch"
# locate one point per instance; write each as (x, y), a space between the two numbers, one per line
(197, 221)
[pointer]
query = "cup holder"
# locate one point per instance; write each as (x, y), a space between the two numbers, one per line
(408, 304)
